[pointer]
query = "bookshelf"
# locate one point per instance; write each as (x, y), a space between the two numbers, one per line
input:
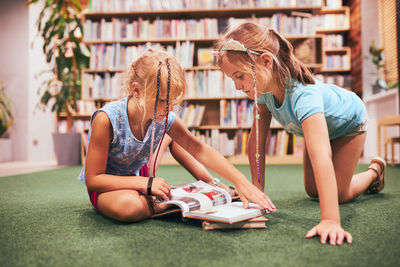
(334, 24)
(119, 31)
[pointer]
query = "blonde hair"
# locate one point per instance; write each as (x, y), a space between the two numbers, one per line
(286, 66)
(144, 72)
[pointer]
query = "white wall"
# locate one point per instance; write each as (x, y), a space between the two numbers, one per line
(369, 33)
(381, 104)
(31, 131)
(41, 123)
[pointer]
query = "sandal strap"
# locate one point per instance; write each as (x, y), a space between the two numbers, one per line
(375, 170)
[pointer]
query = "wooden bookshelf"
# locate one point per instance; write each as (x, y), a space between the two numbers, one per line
(336, 59)
(211, 120)
(200, 13)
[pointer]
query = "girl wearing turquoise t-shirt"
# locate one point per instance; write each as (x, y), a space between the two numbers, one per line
(125, 138)
(332, 120)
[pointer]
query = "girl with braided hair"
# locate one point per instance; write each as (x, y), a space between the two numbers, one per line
(332, 120)
(127, 136)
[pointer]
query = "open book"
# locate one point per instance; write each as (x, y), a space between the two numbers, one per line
(200, 200)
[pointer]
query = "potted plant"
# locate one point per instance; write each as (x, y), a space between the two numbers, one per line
(60, 27)
(378, 59)
(6, 120)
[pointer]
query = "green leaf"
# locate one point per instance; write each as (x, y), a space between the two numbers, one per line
(49, 3)
(57, 22)
(45, 97)
(31, 2)
(59, 4)
(77, 5)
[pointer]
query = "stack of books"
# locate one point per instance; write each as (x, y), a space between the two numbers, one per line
(258, 222)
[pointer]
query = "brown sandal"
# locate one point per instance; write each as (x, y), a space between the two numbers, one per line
(379, 183)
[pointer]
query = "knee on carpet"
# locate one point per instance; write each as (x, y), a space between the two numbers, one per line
(311, 192)
(129, 208)
(344, 196)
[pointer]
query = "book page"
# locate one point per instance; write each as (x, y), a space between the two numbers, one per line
(198, 195)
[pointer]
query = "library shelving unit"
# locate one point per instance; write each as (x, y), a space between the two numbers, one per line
(213, 110)
(334, 26)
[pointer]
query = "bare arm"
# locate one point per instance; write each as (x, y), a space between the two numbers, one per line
(264, 124)
(318, 146)
(211, 159)
(96, 161)
(194, 167)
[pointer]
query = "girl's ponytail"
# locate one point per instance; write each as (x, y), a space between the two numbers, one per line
(288, 61)
(286, 67)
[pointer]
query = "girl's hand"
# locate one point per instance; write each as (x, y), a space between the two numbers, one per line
(247, 191)
(229, 189)
(332, 230)
(160, 188)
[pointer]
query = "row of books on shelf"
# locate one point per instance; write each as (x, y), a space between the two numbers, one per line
(222, 142)
(124, 29)
(102, 85)
(85, 107)
(340, 80)
(333, 3)
(127, 30)
(337, 62)
(332, 21)
(236, 112)
(299, 23)
(79, 126)
(140, 5)
(116, 56)
(279, 142)
(332, 41)
(199, 84)
(191, 114)
(210, 83)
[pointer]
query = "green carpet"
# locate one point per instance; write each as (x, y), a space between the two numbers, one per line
(46, 220)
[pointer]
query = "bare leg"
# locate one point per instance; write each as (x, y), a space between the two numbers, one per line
(124, 205)
(127, 205)
(346, 152)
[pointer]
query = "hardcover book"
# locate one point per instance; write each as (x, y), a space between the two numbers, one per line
(258, 222)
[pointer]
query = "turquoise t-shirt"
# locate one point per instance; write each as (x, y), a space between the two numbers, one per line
(127, 154)
(344, 111)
